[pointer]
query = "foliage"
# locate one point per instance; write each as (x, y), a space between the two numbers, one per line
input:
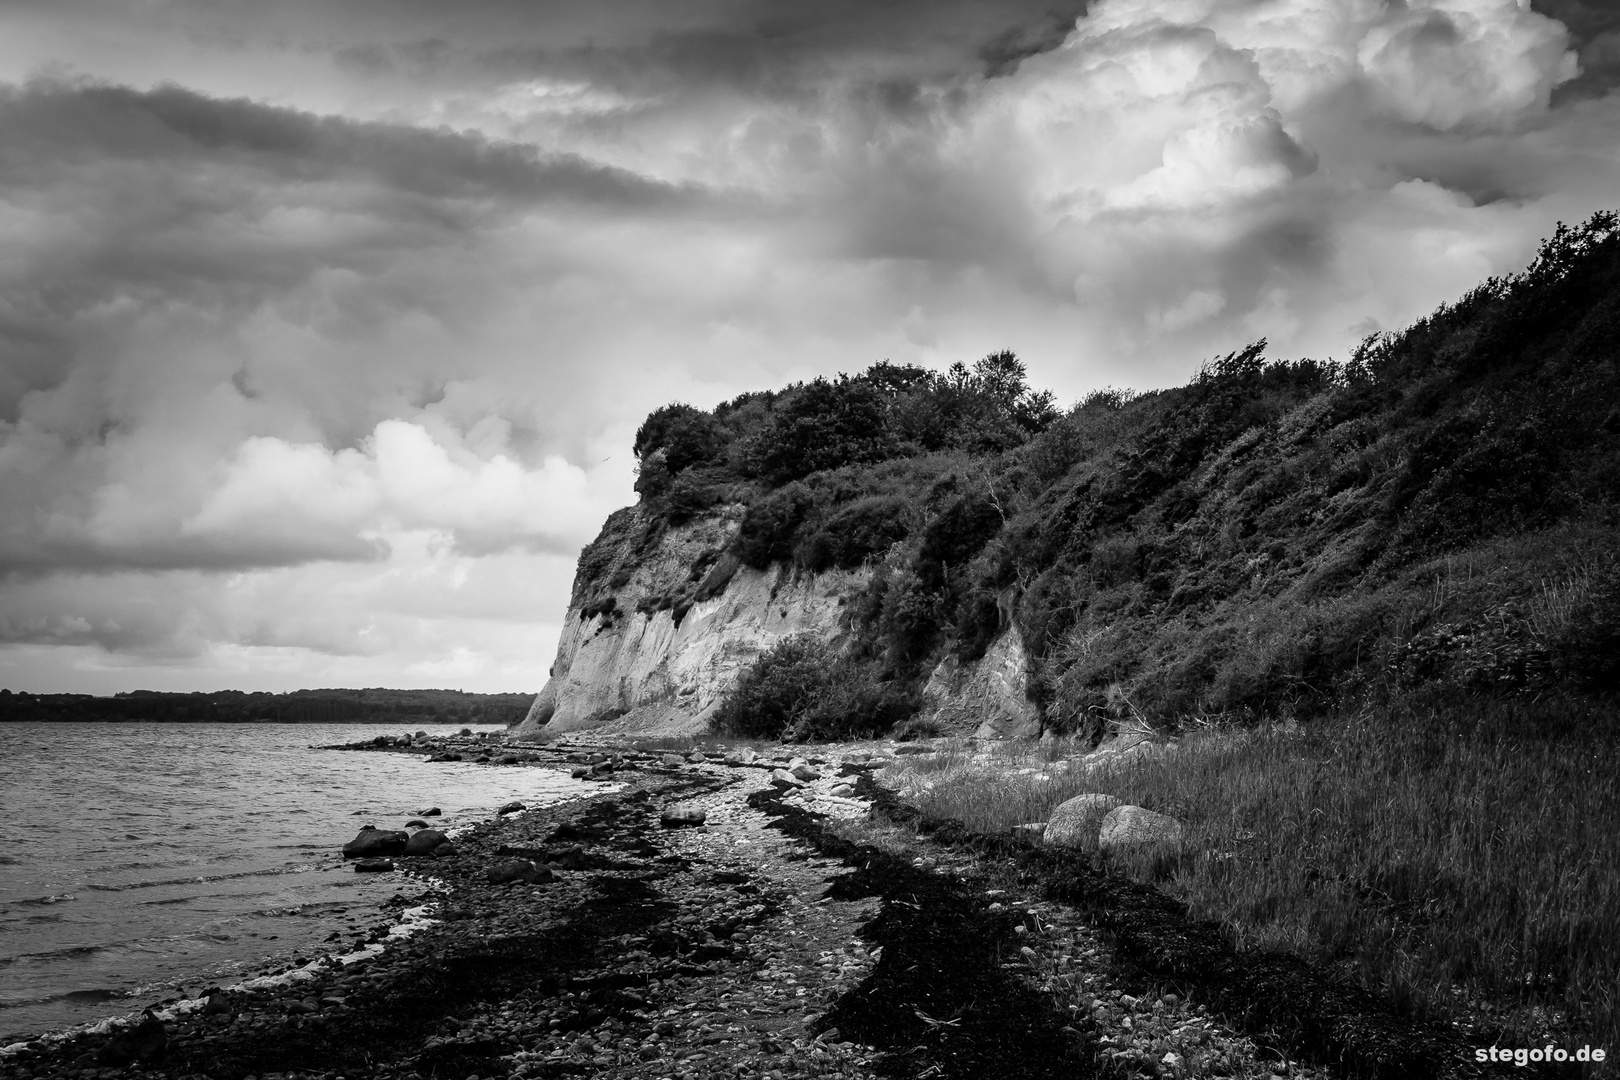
(801, 689)
(1269, 539)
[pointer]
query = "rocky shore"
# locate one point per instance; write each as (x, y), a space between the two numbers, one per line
(701, 916)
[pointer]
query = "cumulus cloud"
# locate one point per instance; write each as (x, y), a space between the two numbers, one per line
(318, 323)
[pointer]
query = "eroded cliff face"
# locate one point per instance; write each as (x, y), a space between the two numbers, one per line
(660, 627)
(988, 698)
(656, 634)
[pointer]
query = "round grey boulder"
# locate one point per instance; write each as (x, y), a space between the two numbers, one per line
(1077, 821)
(1127, 827)
(682, 815)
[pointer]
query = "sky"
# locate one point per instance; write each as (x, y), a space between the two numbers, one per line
(325, 328)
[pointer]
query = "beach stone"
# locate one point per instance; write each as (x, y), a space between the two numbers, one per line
(145, 1042)
(216, 1004)
(742, 756)
(444, 850)
(805, 772)
(432, 811)
(425, 842)
(416, 823)
(697, 757)
(510, 808)
(682, 815)
(784, 779)
(373, 866)
(373, 842)
(446, 756)
(1076, 821)
(1132, 826)
(517, 870)
(843, 791)
(582, 773)
(672, 760)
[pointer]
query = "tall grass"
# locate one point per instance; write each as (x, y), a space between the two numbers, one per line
(1443, 853)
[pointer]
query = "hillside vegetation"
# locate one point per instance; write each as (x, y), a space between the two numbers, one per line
(1272, 539)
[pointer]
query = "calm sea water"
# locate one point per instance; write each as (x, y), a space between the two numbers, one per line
(138, 859)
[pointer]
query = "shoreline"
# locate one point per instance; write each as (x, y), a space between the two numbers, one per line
(753, 935)
(361, 917)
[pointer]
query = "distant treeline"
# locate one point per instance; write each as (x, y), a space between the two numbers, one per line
(373, 706)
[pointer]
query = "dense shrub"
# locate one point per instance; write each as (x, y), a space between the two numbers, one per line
(801, 690)
(854, 533)
(822, 425)
(767, 530)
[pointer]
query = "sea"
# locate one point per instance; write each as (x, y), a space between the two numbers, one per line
(146, 861)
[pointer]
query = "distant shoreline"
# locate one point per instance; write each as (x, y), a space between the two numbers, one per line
(416, 708)
(386, 721)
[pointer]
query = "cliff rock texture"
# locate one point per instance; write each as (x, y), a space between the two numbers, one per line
(662, 623)
(988, 697)
(655, 644)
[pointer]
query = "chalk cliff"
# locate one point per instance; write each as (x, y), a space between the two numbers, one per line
(662, 622)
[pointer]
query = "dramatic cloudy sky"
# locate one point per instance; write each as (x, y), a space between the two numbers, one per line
(324, 326)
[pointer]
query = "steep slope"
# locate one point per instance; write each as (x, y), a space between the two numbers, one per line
(1441, 512)
(662, 622)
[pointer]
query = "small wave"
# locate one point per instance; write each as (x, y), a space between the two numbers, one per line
(10, 860)
(200, 879)
(54, 898)
(91, 996)
(97, 994)
(70, 952)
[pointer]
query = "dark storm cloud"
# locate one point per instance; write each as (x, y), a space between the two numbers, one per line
(310, 354)
(1594, 27)
(48, 124)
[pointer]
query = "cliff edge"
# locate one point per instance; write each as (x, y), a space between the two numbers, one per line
(662, 621)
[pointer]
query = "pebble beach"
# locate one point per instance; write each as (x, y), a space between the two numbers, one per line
(694, 916)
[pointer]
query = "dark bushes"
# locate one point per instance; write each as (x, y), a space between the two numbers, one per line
(801, 690)
(854, 533)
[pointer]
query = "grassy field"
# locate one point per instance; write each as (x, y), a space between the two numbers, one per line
(1448, 854)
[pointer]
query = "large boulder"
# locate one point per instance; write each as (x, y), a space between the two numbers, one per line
(510, 871)
(1075, 822)
(682, 815)
(1128, 827)
(374, 842)
(424, 841)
